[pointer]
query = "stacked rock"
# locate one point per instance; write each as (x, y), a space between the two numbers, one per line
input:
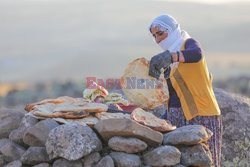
(133, 144)
(29, 142)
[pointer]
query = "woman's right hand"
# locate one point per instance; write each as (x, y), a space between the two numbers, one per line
(159, 61)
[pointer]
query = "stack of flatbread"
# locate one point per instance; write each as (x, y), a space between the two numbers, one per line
(67, 109)
(81, 110)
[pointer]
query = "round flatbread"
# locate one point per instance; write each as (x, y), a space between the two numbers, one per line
(68, 110)
(141, 89)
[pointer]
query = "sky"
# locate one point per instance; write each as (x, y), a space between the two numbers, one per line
(74, 39)
(210, 1)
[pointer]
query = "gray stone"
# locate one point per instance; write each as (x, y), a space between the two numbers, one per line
(16, 163)
(2, 161)
(12, 151)
(128, 128)
(128, 145)
(4, 141)
(187, 135)
(35, 155)
(67, 163)
(17, 134)
(9, 120)
(159, 111)
(72, 141)
(125, 160)
(42, 165)
(179, 165)
(28, 121)
(235, 111)
(162, 156)
(106, 161)
(38, 134)
(91, 159)
(197, 155)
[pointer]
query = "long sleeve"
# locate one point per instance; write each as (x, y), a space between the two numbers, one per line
(192, 52)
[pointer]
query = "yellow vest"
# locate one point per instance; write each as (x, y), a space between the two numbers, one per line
(193, 85)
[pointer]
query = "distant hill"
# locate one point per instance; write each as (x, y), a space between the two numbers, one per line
(51, 40)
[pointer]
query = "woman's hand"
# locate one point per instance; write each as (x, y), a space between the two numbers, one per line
(159, 61)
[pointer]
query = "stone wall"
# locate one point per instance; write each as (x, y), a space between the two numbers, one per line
(27, 141)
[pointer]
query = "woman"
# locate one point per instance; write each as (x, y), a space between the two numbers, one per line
(192, 100)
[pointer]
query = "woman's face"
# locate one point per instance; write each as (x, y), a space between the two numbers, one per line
(158, 34)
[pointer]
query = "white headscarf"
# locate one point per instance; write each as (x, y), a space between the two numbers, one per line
(175, 37)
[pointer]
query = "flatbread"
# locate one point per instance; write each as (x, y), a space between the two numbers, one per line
(146, 92)
(95, 107)
(49, 110)
(68, 110)
(59, 100)
(150, 120)
(30, 107)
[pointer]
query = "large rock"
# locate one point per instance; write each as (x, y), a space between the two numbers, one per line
(128, 128)
(9, 120)
(16, 163)
(197, 155)
(125, 160)
(17, 134)
(38, 134)
(72, 141)
(128, 145)
(91, 159)
(236, 128)
(106, 161)
(187, 135)
(35, 155)
(162, 156)
(66, 163)
(12, 151)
